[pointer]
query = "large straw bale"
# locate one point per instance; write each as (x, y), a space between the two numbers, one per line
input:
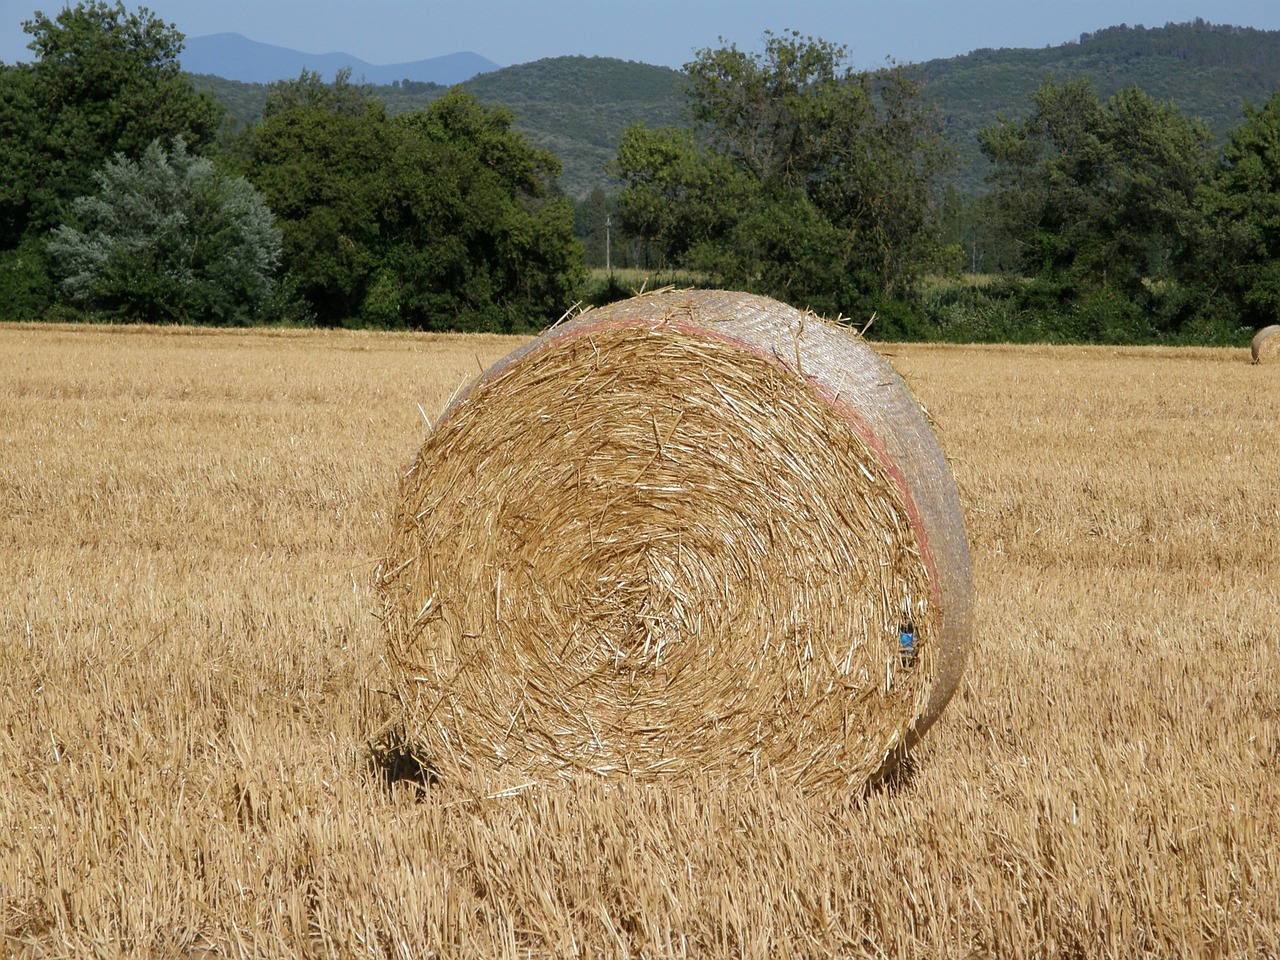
(679, 535)
(1266, 345)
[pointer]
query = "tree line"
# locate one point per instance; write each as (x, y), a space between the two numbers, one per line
(126, 195)
(123, 196)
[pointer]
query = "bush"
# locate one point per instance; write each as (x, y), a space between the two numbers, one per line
(1044, 310)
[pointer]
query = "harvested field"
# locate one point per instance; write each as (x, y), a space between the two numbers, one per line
(193, 673)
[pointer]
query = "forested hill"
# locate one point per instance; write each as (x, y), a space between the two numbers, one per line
(577, 106)
(1207, 70)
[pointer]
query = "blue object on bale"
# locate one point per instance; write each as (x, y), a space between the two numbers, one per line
(907, 644)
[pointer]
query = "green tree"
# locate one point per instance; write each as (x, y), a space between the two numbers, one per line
(592, 225)
(677, 195)
(310, 91)
(1099, 203)
(1241, 252)
(104, 81)
(435, 219)
(319, 157)
(801, 177)
(168, 238)
(969, 234)
(482, 242)
(1098, 195)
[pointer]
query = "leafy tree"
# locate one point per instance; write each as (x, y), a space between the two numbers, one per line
(310, 91)
(1099, 201)
(970, 235)
(168, 238)
(592, 225)
(319, 157)
(1096, 195)
(800, 177)
(1242, 241)
(26, 288)
(104, 82)
(677, 194)
(482, 242)
(434, 219)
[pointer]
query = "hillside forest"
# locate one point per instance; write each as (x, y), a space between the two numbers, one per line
(1123, 189)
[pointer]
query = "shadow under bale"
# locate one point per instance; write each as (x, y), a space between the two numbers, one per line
(397, 761)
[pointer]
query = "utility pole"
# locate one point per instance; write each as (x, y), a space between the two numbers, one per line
(608, 261)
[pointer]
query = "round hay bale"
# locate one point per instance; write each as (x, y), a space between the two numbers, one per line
(1266, 345)
(694, 533)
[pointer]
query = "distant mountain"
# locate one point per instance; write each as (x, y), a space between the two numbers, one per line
(235, 57)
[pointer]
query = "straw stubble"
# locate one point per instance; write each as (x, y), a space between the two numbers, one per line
(192, 675)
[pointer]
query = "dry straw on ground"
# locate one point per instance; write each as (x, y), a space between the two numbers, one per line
(678, 536)
(1266, 345)
(191, 675)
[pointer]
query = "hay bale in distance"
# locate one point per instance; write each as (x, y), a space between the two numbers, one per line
(680, 535)
(1266, 345)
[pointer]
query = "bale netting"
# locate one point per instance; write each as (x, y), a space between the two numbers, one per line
(690, 534)
(1266, 345)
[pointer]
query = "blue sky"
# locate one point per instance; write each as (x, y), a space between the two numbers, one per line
(653, 31)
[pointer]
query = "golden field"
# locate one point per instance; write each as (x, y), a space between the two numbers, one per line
(192, 675)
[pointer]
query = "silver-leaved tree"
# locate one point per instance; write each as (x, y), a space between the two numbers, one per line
(168, 238)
